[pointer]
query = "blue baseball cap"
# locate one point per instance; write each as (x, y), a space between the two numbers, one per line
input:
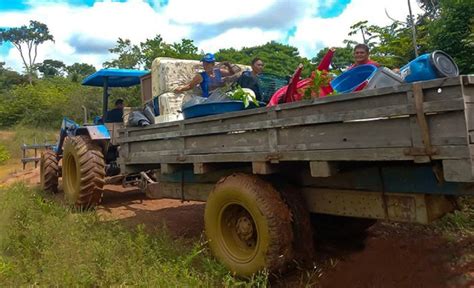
(208, 58)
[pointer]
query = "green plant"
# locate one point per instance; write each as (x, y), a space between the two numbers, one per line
(319, 79)
(4, 154)
(43, 243)
(244, 96)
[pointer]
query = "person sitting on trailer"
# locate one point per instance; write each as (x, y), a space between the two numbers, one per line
(361, 56)
(115, 115)
(249, 79)
(210, 79)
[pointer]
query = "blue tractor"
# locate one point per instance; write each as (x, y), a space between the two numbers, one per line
(86, 154)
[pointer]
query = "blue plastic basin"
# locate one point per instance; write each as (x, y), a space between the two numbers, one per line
(353, 78)
(212, 108)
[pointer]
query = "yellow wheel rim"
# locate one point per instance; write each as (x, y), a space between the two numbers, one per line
(239, 234)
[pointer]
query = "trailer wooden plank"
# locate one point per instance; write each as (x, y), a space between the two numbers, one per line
(318, 118)
(373, 154)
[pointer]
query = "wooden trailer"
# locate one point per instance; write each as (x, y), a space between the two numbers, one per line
(399, 153)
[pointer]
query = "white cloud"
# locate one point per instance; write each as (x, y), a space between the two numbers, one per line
(314, 32)
(105, 21)
(102, 24)
(239, 38)
(214, 11)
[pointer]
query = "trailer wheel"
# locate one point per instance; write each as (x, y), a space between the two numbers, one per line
(49, 171)
(340, 226)
(83, 172)
(248, 225)
(303, 245)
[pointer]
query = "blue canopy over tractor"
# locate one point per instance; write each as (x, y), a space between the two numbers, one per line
(115, 77)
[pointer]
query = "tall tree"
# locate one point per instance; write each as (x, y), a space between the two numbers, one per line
(26, 40)
(52, 68)
(77, 71)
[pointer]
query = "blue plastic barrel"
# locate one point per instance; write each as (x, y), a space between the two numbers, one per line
(353, 78)
(429, 66)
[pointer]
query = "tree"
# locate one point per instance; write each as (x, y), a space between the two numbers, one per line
(26, 40)
(78, 71)
(392, 45)
(10, 78)
(52, 68)
(342, 59)
(431, 7)
(135, 56)
(279, 59)
(129, 55)
(452, 33)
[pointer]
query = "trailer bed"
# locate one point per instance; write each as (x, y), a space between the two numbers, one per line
(430, 121)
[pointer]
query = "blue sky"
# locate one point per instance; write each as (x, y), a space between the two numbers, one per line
(84, 30)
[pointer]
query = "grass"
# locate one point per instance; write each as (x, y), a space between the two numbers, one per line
(44, 243)
(460, 221)
(13, 138)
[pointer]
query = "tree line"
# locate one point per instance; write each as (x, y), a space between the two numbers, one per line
(45, 91)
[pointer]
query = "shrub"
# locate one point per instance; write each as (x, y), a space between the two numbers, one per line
(4, 154)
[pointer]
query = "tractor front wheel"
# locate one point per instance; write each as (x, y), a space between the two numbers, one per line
(83, 172)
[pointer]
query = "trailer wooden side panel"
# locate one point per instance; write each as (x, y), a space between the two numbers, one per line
(422, 122)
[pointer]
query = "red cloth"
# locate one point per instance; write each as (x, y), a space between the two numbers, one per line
(366, 62)
(292, 86)
(277, 97)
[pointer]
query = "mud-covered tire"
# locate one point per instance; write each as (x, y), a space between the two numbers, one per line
(83, 172)
(303, 243)
(248, 225)
(49, 171)
(332, 226)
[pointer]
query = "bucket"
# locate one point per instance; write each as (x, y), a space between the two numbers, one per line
(212, 108)
(429, 66)
(354, 79)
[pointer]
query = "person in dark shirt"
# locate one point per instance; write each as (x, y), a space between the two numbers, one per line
(116, 115)
(249, 79)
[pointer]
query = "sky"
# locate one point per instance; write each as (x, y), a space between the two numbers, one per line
(84, 30)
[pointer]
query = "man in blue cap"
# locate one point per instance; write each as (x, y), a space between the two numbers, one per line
(211, 78)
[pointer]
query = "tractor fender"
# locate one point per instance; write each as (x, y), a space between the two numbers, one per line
(97, 132)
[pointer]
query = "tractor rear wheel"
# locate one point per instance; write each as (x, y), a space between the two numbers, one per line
(83, 172)
(248, 225)
(49, 171)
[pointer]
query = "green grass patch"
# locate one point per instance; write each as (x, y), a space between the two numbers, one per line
(462, 220)
(44, 243)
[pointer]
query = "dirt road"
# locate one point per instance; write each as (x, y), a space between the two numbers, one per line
(390, 255)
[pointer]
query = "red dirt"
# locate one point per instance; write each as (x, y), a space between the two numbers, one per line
(391, 255)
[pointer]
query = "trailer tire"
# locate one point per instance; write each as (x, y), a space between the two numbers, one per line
(248, 225)
(49, 171)
(333, 226)
(83, 172)
(303, 244)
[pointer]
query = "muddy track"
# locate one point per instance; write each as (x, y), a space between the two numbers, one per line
(389, 255)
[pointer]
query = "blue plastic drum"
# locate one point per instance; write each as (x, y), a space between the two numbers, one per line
(352, 79)
(429, 66)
